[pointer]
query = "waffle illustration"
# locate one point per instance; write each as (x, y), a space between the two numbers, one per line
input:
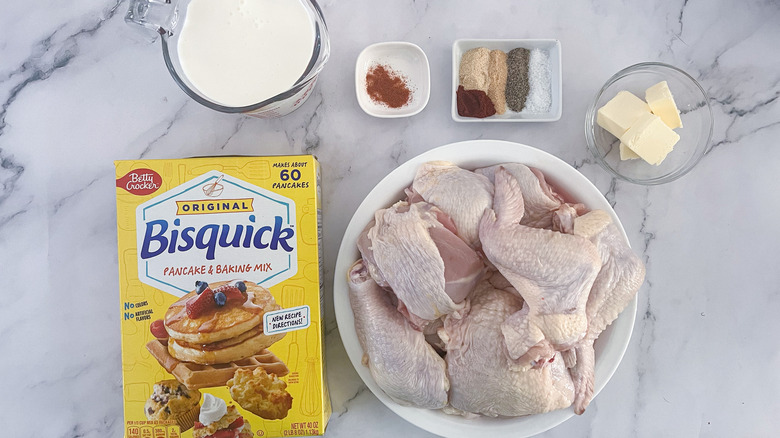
(196, 376)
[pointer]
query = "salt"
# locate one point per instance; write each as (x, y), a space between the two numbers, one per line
(540, 82)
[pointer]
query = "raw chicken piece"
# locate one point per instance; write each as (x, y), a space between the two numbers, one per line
(619, 279)
(431, 332)
(498, 281)
(525, 340)
(553, 272)
(544, 208)
(364, 243)
(401, 362)
(563, 218)
(569, 357)
(483, 378)
(462, 194)
(364, 246)
(430, 269)
(517, 332)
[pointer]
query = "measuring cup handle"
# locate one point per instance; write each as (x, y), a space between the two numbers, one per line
(155, 15)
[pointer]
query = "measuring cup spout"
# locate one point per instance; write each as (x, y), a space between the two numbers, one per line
(157, 16)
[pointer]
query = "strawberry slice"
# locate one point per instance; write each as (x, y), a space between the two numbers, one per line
(230, 431)
(232, 293)
(236, 424)
(199, 305)
(158, 329)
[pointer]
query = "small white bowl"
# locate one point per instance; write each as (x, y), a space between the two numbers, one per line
(553, 47)
(404, 58)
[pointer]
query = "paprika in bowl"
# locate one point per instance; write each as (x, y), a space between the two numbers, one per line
(392, 79)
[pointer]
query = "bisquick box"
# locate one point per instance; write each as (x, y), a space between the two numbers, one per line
(253, 219)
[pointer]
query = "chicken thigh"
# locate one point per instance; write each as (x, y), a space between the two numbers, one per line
(484, 379)
(400, 361)
(552, 271)
(462, 194)
(618, 281)
(430, 269)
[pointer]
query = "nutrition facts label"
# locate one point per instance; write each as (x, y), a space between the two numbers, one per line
(152, 431)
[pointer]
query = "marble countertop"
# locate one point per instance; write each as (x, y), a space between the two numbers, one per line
(80, 88)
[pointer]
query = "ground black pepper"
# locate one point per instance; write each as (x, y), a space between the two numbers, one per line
(517, 78)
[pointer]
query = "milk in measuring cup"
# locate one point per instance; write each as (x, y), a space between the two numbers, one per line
(242, 52)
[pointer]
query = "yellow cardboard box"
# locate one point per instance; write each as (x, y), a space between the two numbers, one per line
(224, 219)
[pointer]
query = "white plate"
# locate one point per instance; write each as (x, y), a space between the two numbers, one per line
(404, 58)
(610, 346)
(553, 47)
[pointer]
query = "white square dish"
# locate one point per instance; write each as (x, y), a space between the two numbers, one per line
(553, 47)
(404, 58)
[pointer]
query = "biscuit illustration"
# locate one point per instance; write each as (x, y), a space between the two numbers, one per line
(260, 393)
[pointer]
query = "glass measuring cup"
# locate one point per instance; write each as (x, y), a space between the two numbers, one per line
(166, 17)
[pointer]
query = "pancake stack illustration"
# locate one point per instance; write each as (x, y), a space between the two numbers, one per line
(215, 330)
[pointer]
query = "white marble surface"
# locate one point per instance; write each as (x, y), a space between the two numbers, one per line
(79, 88)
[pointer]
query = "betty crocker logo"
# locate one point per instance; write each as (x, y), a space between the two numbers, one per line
(140, 182)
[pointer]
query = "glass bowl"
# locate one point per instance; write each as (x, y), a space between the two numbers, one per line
(695, 135)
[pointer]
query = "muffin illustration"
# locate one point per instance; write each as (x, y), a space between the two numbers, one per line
(170, 400)
(218, 420)
(260, 393)
(219, 323)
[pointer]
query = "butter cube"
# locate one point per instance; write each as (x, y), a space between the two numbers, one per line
(661, 102)
(650, 138)
(617, 115)
(626, 153)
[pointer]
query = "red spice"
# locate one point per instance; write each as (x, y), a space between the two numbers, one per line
(387, 87)
(474, 103)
